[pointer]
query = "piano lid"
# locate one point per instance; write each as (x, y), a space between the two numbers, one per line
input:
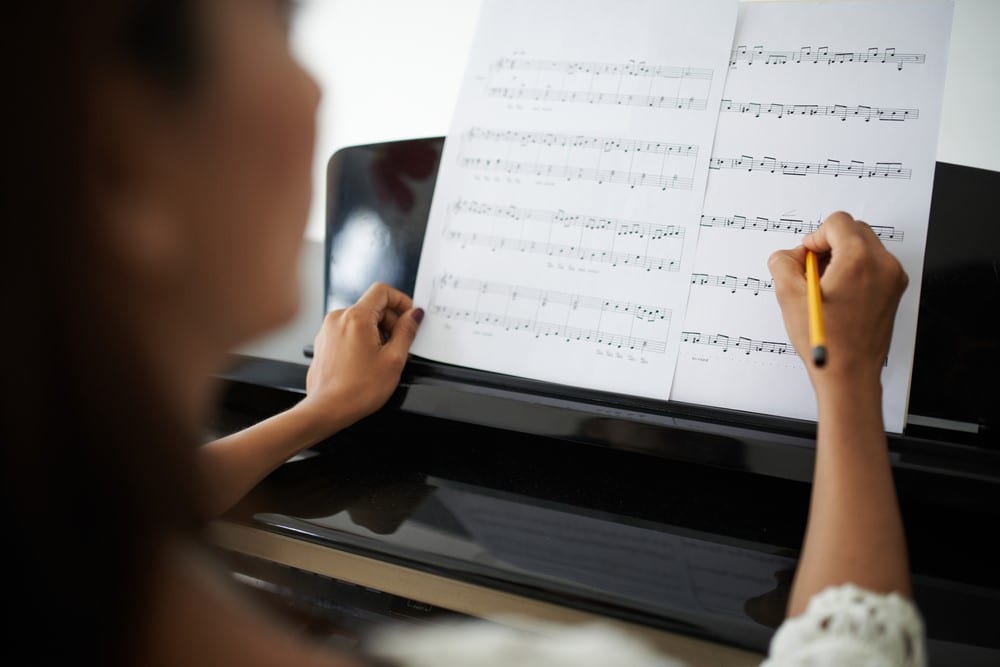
(679, 546)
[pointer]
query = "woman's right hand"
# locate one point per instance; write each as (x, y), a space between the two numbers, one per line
(861, 283)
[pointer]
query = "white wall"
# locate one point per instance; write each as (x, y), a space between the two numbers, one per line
(390, 69)
(970, 119)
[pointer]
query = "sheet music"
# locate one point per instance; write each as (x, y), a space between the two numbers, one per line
(827, 106)
(566, 211)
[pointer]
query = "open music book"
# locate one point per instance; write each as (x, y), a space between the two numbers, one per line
(617, 173)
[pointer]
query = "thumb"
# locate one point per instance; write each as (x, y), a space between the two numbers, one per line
(405, 330)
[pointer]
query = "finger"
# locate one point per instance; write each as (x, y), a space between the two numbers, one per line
(389, 320)
(867, 232)
(835, 230)
(405, 330)
(381, 297)
(788, 269)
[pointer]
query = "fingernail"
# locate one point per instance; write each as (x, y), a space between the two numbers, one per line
(418, 315)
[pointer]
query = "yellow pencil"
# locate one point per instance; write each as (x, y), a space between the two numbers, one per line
(817, 337)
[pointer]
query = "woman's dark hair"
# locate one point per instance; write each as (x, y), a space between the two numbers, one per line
(160, 39)
(97, 472)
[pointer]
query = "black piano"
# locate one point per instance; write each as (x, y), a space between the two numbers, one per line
(673, 517)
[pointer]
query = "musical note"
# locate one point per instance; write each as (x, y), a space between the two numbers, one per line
(835, 168)
(841, 111)
(788, 225)
(808, 54)
(591, 229)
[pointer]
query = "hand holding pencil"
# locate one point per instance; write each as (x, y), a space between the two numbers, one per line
(838, 293)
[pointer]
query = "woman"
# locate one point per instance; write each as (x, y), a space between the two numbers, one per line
(163, 151)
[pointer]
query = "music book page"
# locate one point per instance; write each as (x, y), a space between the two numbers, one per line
(566, 210)
(828, 106)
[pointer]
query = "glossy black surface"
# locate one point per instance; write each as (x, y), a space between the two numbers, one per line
(694, 548)
(958, 331)
(378, 202)
(379, 198)
(458, 397)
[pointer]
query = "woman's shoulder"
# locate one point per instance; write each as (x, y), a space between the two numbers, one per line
(847, 624)
(842, 625)
(476, 643)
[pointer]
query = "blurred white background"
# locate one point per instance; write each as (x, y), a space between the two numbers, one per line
(390, 69)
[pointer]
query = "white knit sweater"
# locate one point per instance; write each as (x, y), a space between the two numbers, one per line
(843, 625)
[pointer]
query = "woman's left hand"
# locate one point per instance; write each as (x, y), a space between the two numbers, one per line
(359, 354)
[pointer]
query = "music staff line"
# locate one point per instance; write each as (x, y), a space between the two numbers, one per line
(542, 327)
(569, 173)
(564, 167)
(733, 283)
(822, 54)
(631, 68)
(743, 344)
(579, 141)
(593, 74)
(788, 225)
(755, 109)
(546, 297)
(841, 111)
(831, 167)
(647, 262)
(740, 343)
(618, 228)
(597, 97)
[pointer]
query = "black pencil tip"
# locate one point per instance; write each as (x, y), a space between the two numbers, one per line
(819, 355)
